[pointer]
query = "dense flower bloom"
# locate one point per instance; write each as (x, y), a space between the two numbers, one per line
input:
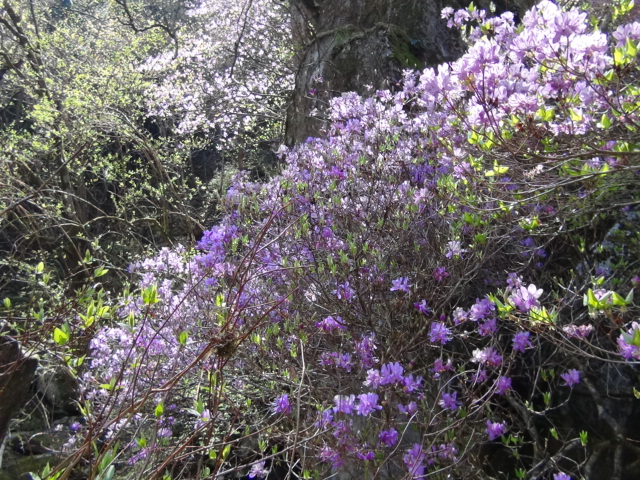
(495, 429)
(571, 377)
(389, 437)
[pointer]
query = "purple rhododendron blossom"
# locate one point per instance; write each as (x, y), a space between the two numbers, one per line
(454, 249)
(629, 342)
(440, 273)
(344, 404)
(401, 284)
(414, 461)
(495, 429)
(409, 409)
(571, 377)
(521, 341)
(422, 307)
(526, 298)
(561, 476)
(389, 437)
(258, 470)
(391, 373)
(503, 385)
(374, 379)
(330, 324)
(439, 333)
(481, 309)
(368, 402)
(448, 401)
(488, 327)
(281, 404)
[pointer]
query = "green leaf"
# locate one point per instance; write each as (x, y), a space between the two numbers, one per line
(150, 295)
(159, 411)
(60, 337)
(604, 121)
(183, 337)
(40, 267)
(225, 451)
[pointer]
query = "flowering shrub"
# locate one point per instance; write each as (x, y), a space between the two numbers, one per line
(367, 308)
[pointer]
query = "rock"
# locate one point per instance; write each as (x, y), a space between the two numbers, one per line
(60, 388)
(16, 374)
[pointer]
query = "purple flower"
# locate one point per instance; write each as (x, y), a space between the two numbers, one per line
(374, 379)
(281, 404)
(391, 373)
(488, 327)
(422, 307)
(561, 476)
(368, 402)
(345, 291)
(401, 284)
(328, 454)
(526, 298)
(455, 249)
(488, 355)
(75, 427)
(575, 331)
(389, 437)
(414, 459)
(409, 384)
(330, 324)
(503, 385)
(439, 333)
(439, 366)
(629, 342)
(521, 341)
(481, 309)
(205, 417)
(440, 273)
(258, 470)
(344, 403)
(571, 378)
(495, 429)
(448, 401)
(368, 456)
(409, 409)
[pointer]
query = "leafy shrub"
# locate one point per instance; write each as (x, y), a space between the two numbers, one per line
(390, 304)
